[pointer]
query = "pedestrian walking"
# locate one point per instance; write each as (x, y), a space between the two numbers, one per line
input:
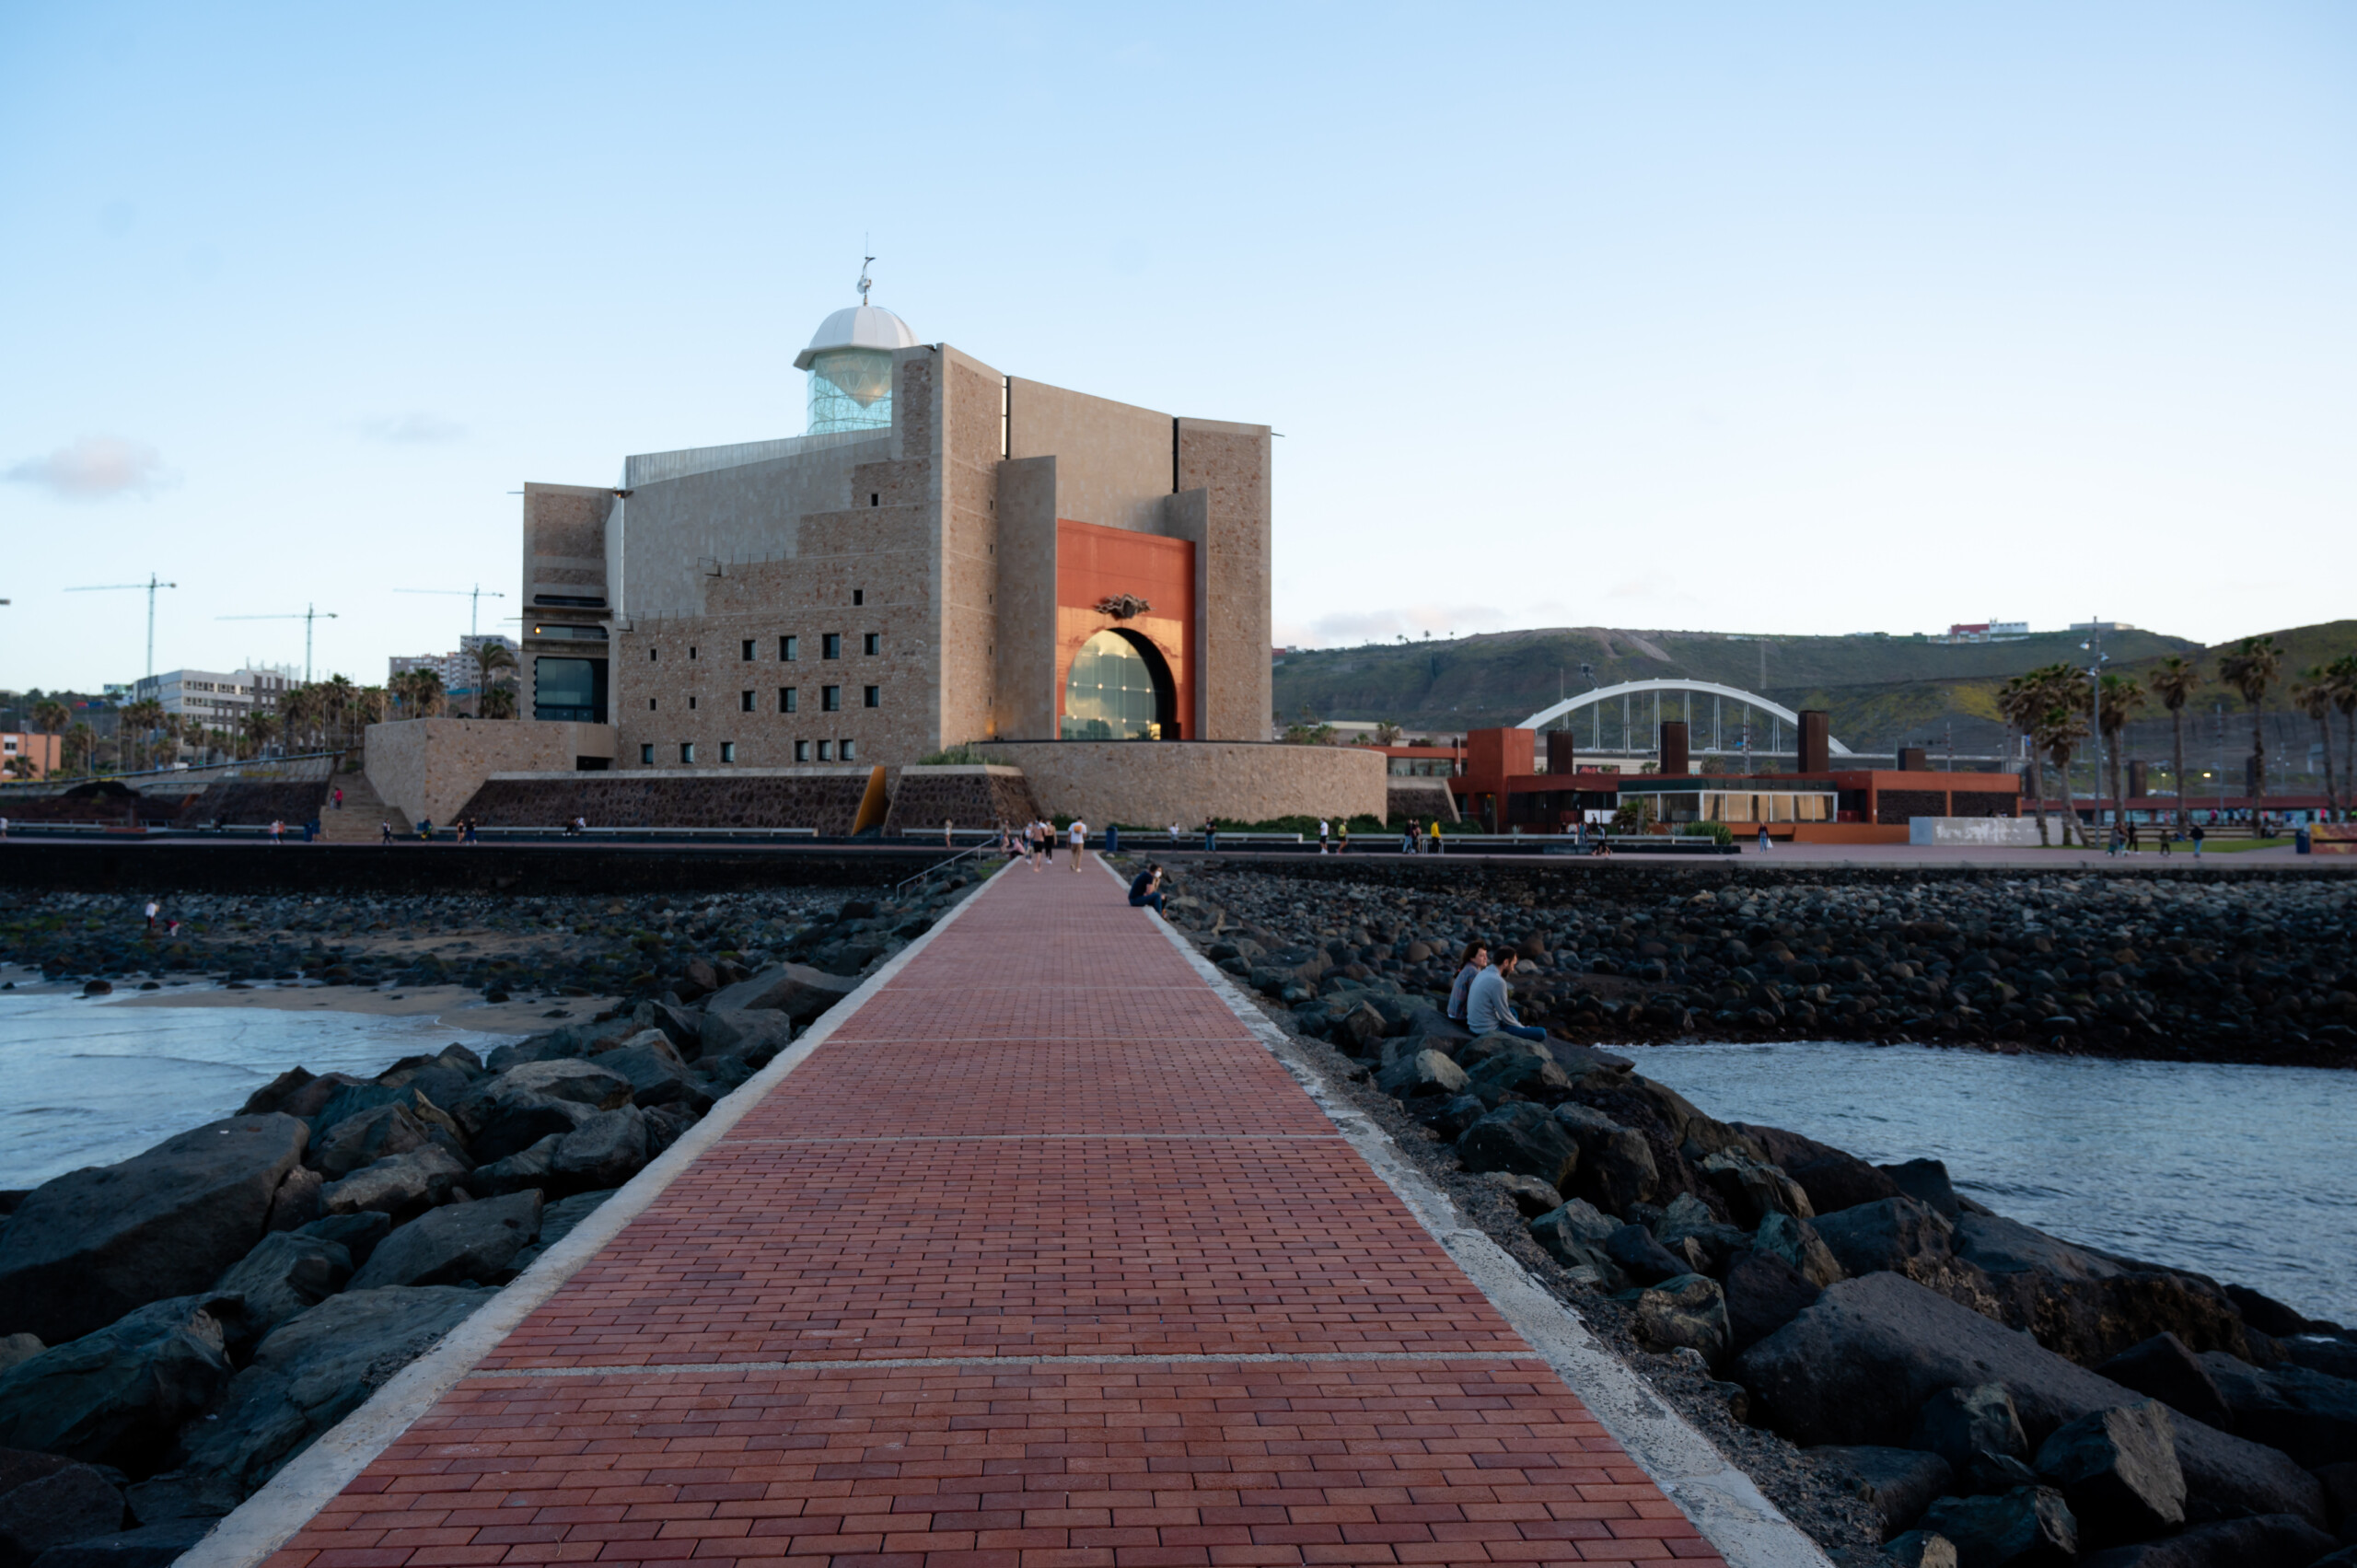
(385, 831)
(1079, 843)
(1489, 1004)
(1210, 834)
(1321, 835)
(338, 798)
(1343, 844)
(3, 827)
(1435, 835)
(1145, 888)
(1047, 844)
(2131, 838)
(2115, 842)
(1763, 838)
(277, 830)
(2198, 836)
(154, 909)
(2168, 834)
(948, 828)
(1475, 959)
(1408, 839)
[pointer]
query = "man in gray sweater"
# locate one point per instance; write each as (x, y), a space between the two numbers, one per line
(1488, 1008)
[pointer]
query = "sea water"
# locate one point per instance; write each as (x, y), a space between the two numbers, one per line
(2245, 1174)
(93, 1081)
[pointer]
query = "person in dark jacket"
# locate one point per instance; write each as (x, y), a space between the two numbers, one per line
(1145, 888)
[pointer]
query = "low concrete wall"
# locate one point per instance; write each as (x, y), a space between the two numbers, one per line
(432, 767)
(1154, 783)
(1830, 832)
(2008, 832)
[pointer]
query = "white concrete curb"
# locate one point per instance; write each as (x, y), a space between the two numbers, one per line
(1749, 1530)
(287, 1502)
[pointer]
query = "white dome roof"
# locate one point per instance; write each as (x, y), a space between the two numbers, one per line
(857, 326)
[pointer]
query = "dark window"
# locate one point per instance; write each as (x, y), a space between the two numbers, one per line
(744, 701)
(872, 696)
(727, 751)
(570, 689)
(691, 702)
(691, 650)
(874, 499)
(646, 755)
(786, 699)
(650, 704)
(789, 648)
(748, 654)
(826, 751)
(831, 698)
(851, 750)
(873, 643)
(832, 646)
(654, 654)
(687, 751)
(859, 595)
(801, 750)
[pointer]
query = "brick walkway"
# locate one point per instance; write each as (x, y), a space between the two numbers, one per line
(1040, 1260)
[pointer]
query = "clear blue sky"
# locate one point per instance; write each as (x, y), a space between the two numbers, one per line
(1796, 317)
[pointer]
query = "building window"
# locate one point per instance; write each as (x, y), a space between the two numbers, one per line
(727, 751)
(832, 646)
(871, 696)
(801, 750)
(691, 650)
(654, 654)
(850, 749)
(744, 701)
(646, 754)
(787, 698)
(826, 751)
(789, 649)
(650, 704)
(746, 652)
(831, 698)
(687, 751)
(859, 595)
(691, 702)
(872, 644)
(874, 499)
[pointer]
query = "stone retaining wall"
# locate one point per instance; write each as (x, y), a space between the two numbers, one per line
(824, 799)
(1150, 783)
(432, 767)
(970, 796)
(1418, 798)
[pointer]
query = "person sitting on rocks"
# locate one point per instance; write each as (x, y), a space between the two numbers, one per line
(1476, 959)
(1488, 1008)
(1145, 888)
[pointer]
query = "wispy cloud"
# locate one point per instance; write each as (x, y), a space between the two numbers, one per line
(413, 429)
(96, 468)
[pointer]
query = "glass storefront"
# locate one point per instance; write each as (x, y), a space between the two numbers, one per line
(1689, 802)
(1112, 693)
(570, 689)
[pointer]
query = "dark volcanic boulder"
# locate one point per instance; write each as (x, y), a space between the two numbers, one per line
(1574, 1236)
(1797, 1243)
(2163, 1368)
(2118, 1469)
(269, 1096)
(657, 1073)
(526, 1169)
(1517, 1067)
(603, 1151)
(1686, 1312)
(1897, 1483)
(1927, 1182)
(2084, 1305)
(1764, 1293)
(1421, 1076)
(1519, 1137)
(1642, 1256)
(149, 1546)
(584, 1083)
(2257, 1542)
(116, 1396)
(286, 1274)
(1962, 1424)
(84, 1249)
(357, 1234)
(1616, 1165)
(455, 1244)
(315, 1371)
(1857, 1366)
(755, 1037)
(796, 989)
(2030, 1526)
(2308, 1415)
(1753, 1190)
(517, 1121)
(1833, 1180)
(364, 1138)
(46, 1501)
(399, 1186)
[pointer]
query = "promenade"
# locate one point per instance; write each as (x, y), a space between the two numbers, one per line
(1038, 1259)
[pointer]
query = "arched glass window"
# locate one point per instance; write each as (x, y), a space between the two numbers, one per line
(1111, 694)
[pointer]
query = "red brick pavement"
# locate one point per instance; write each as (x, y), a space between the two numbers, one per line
(1040, 1260)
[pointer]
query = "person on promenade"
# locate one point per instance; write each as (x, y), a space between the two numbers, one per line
(154, 909)
(1210, 833)
(1763, 838)
(1475, 959)
(1321, 835)
(948, 827)
(385, 831)
(1079, 843)
(1342, 843)
(1047, 844)
(1145, 888)
(2165, 835)
(2131, 838)
(2198, 836)
(1408, 837)
(338, 798)
(1489, 1008)
(1435, 835)
(1174, 835)
(2116, 842)
(277, 830)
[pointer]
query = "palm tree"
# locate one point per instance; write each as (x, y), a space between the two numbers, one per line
(2313, 695)
(2250, 670)
(2174, 683)
(1387, 733)
(336, 694)
(134, 727)
(81, 743)
(2026, 701)
(2120, 696)
(491, 657)
(51, 718)
(2059, 734)
(262, 726)
(22, 768)
(496, 702)
(2344, 697)
(419, 692)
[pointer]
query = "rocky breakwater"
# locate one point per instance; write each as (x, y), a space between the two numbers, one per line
(1898, 1366)
(2261, 970)
(175, 1328)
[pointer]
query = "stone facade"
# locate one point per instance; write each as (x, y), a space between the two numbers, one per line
(1418, 799)
(430, 767)
(938, 543)
(826, 799)
(1151, 783)
(923, 799)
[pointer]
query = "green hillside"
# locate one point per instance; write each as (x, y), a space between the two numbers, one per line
(1882, 692)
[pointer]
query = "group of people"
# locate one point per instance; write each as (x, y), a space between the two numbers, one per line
(1480, 998)
(1034, 844)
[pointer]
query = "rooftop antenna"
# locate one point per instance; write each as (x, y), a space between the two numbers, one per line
(474, 596)
(151, 585)
(308, 615)
(865, 283)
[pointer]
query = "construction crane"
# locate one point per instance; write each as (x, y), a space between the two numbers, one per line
(308, 615)
(151, 585)
(475, 596)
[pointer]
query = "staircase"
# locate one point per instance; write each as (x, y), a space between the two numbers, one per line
(363, 809)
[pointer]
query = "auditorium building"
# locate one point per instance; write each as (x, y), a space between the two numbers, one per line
(950, 554)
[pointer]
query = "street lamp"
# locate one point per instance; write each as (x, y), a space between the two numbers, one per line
(2093, 645)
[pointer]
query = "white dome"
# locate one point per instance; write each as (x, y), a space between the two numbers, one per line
(857, 326)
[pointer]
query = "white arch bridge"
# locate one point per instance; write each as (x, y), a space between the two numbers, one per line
(1724, 735)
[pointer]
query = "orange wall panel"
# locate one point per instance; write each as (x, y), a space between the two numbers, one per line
(1095, 563)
